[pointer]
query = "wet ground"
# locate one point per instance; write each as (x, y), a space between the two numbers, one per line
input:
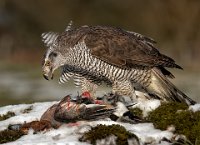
(27, 86)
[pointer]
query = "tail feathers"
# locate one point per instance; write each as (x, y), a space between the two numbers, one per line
(162, 88)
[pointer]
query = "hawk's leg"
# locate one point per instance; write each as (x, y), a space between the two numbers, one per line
(88, 88)
(124, 88)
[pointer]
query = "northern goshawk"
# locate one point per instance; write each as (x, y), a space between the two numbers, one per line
(120, 58)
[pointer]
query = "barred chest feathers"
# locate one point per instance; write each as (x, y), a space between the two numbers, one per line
(81, 62)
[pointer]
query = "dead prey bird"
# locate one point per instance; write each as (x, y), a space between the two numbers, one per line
(70, 111)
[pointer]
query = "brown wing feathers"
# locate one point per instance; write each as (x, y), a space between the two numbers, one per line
(117, 48)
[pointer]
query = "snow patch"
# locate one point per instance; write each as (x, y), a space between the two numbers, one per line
(37, 110)
(69, 135)
(195, 107)
(147, 105)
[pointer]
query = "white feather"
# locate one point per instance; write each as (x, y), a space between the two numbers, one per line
(49, 38)
(120, 109)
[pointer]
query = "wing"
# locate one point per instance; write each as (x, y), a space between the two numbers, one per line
(79, 75)
(49, 38)
(143, 38)
(65, 76)
(125, 49)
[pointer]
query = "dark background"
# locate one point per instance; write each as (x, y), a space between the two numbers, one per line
(175, 25)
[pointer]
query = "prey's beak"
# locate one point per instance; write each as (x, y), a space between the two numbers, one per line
(47, 70)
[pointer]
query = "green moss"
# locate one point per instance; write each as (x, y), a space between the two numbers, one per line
(194, 134)
(7, 115)
(185, 121)
(9, 135)
(103, 131)
(164, 115)
(137, 112)
(182, 141)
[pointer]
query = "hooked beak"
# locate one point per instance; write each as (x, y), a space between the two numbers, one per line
(47, 71)
(46, 76)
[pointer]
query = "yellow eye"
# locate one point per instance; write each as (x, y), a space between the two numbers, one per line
(48, 63)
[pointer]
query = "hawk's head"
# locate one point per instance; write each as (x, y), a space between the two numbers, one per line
(50, 63)
(54, 56)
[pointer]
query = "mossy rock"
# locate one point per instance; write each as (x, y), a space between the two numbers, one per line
(103, 131)
(182, 141)
(7, 115)
(136, 112)
(194, 133)
(9, 135)
(185, 121)
(164, 115)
